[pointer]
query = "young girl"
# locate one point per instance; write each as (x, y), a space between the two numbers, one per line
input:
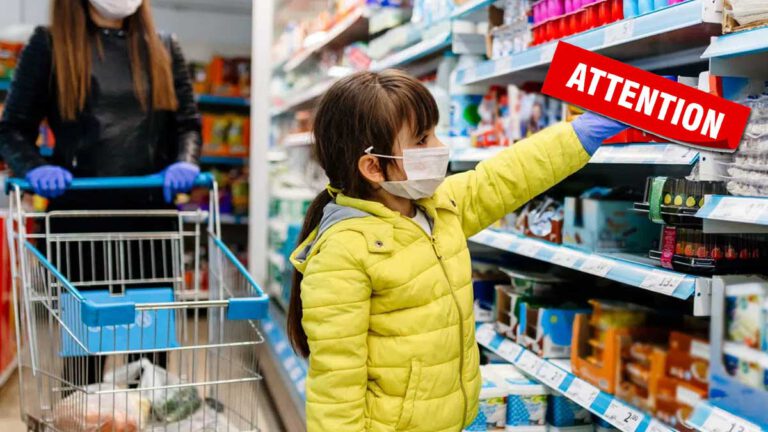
(384, 307)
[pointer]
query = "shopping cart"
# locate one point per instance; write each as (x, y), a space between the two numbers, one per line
(115, 329)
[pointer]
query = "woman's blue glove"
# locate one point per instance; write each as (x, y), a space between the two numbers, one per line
(592, 129)
(49, 181)
(178, 178)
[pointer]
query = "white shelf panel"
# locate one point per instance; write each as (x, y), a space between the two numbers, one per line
(470, 8)
(352, 28)
(732, 213)
(673, 29)
(300, 98)
(298, 139)
(620, 414)
(414, 52)
(739, 43)
(708, 418)
(634, 154)
(294, 368)
(645, 276)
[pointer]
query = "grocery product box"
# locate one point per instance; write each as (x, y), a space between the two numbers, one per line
(606, 226)
(547, 331)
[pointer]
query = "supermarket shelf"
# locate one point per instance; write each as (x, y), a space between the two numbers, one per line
(470, 8)
(285, 372)
(301, 98)
(673, 29)
(708, 418)
(415, 52)
(352, 28)
(739, 43)
(294, 366)
(224, 160)
(228, 219)
(277, 260)
(5, 85)
(230, 101)
(620, 414)
(298, 139)
(634, 154)
(616, 267)
(726, 214)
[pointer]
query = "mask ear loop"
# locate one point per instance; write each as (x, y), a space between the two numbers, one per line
(369, 151)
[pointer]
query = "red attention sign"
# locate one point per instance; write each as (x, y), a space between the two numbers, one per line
(644, 100)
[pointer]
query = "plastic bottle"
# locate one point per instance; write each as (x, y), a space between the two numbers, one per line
(442, 90)
(658, 4)
(465, 100)
(630, 8)
(644, 6)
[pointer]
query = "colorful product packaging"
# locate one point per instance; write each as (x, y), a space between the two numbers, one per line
(493, 402)
(606, 226)
(744, 314)
(547, 331)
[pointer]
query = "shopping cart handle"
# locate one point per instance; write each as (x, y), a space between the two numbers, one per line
(94, 183)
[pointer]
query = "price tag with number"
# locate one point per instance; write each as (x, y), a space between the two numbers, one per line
(551, 375)
(565, 257)
(619, 32)
(747, 210)
(528, 248)
(529, 363)
(721, 421)
(597, 266)
(662, 282)
(582, 393)
(509, 350)
(623, 417)
(485, 334)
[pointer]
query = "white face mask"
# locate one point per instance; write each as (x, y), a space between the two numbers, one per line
(116, 9)
(424, 169)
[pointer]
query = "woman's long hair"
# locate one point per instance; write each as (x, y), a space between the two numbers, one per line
(365, 109)
(73, 36)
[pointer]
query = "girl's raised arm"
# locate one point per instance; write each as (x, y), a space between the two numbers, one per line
(505, 182)
(336, 295)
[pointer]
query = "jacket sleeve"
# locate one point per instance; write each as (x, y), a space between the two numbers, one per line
(26, 106)
(336, 296)
(516, 175)
(187, 117)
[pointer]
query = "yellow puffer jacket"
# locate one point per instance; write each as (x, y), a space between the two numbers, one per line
(388, 310)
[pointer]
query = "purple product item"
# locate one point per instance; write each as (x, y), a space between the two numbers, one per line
(568, 6)
(556, 8)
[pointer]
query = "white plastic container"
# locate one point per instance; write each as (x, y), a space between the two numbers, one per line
(441, 92)
(493, 393)
(526, 401)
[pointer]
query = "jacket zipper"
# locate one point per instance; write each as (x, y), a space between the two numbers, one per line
(458, 308)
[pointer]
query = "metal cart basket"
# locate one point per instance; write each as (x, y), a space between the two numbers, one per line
(135, 329)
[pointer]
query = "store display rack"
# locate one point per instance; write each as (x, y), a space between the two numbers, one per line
(351, 28)
(223, 160)
(734, 214)
(470, 7)
(708, 418)
(628, 269)
(620, 414)
(738, 44)
(631, 154)
(676, 28)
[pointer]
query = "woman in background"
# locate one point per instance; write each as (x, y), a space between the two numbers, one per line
(118, 98)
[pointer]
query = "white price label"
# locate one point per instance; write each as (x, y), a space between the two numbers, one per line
(721, 421)
(509, 350)
(528, 248)
(747, 210)
(619, 32)
(485, 334)
(597, 266)
(548, 52)
(662, 282)
(551, 375)
(503, 242)
(623, 417)
(566, 258)
(529, 363)
(582, 393)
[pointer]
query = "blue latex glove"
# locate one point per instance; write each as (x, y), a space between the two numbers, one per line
(592, 129)
(49, 181)
(178, 178)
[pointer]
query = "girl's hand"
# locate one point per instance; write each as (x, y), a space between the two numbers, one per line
(592, 129)
(178, 178)
(49, 181)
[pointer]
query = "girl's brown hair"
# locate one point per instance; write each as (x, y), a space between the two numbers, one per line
(73, 35)
(365, 109)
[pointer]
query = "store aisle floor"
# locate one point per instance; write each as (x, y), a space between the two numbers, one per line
(9, 406)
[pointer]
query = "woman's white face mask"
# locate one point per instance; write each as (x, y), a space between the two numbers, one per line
(116, 9)
(425, 170)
